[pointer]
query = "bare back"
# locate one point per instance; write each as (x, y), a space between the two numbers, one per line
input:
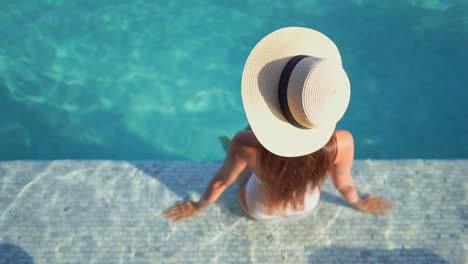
(340, 173)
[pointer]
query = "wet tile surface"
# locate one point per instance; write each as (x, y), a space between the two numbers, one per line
(73, 211)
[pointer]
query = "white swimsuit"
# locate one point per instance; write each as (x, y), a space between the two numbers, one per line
(252, 196)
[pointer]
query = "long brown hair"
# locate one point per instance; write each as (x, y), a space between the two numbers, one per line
(286, 180)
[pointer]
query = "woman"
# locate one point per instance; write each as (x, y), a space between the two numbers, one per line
(294, 91)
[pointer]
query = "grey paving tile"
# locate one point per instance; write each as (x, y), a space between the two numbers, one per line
(111, 211)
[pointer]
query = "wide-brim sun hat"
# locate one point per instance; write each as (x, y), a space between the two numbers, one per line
(294, 91)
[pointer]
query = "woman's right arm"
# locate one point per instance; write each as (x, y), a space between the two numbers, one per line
(343, 181)
(341, 171)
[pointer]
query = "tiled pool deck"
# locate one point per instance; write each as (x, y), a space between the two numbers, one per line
(71, 211)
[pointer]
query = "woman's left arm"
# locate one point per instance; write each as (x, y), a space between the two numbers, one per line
(232, 167)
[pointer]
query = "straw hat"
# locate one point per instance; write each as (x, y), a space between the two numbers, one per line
(294, 91)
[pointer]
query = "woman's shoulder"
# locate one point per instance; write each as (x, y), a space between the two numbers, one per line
(343, 136)
(248, 146)
(344, 145)
(247, 138)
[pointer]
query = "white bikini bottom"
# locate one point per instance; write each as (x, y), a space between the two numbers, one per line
(252, 196)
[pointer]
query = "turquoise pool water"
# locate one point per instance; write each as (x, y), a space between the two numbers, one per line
(160, 80)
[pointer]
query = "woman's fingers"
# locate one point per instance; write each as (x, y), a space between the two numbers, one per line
(180, 212)
(386, 205)
(169, 211)
(180, 206)
(172, 217)
(175, 208)
(380, 213)
(377, 206)
(181, 218)
(380, 202)
(178, 219)
(173, 211)
(172, 214)
(176, 215)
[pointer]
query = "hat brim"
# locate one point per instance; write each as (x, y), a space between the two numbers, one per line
(260, 80)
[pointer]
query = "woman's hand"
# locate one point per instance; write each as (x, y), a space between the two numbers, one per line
(373, 205)
(182, 211)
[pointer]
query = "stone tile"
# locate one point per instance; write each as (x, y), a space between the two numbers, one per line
(111, 211)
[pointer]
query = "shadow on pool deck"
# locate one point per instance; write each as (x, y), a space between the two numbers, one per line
(228, 200)
(328, 197)
(161, 171)
(12, 254)
(382, 256)
(75, 210)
